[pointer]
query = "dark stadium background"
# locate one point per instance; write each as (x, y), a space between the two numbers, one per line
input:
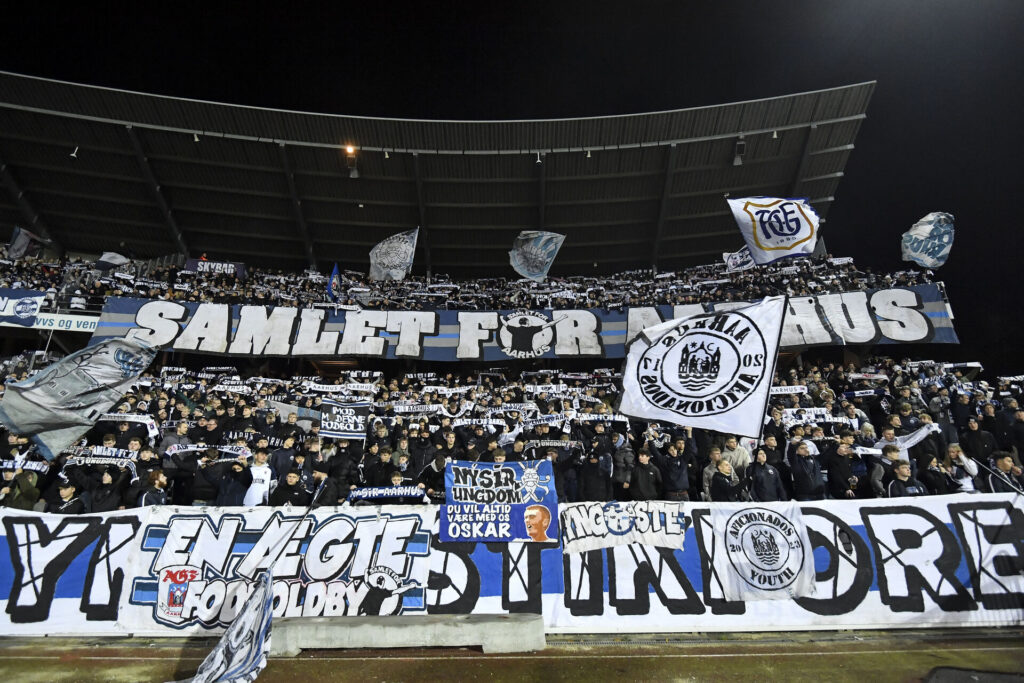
(943, 131)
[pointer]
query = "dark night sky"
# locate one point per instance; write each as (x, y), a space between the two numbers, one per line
(942, 133)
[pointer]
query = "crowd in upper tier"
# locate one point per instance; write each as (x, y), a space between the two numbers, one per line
(211, 437)
(76, 285)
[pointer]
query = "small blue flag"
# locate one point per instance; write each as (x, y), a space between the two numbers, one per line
(334, 284)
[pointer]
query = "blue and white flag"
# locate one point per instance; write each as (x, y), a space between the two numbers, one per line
(929, 240)
(533, 252)
(334, 285)
(738, 260)
(775, 228)
(20, 306)
(392, 258)
(57, 405)
(241, 654)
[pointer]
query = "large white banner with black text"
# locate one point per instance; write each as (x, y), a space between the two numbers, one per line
(899, 315)
(890, 563)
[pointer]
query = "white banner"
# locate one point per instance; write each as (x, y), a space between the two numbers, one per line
(763, 552)
(711, 370)
(950, 561)
(591, 526)
(774, 228)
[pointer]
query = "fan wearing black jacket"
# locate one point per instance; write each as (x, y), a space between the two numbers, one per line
(155, 493)
(290, 492)
(842, 483)
(109, 494)
(232, 482)
(675, 466)
(69, 503)
(645, 481)
(722, 488)
(765, 479)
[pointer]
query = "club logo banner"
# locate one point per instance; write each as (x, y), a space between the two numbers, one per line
(916, 314)
(166, 571)
(767, 553)
(774, 228)
(20, 306)
(492, 502)
(711, 370)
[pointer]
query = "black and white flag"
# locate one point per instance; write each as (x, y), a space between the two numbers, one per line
(344, 420)
(533, 252)
(710, 370)
(392, 258)
(60, 403)
(761, 553)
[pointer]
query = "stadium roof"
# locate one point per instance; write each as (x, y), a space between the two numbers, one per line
(97, 169)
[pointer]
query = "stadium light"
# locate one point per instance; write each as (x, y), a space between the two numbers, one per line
(588, 153)
(741, 149)
(195, 137)
(538, 157)
(74, 154)
(350, 161)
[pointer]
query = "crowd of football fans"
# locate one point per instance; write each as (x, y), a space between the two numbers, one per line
(77, 285)
(211, 437)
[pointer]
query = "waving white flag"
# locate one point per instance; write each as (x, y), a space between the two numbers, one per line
(710, 370)
(392, 258)
(775, 228)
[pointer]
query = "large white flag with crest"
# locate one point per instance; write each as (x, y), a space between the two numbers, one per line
(775, 228)
(710, 370)
(761, 553)
(392, 258)
(533, 252)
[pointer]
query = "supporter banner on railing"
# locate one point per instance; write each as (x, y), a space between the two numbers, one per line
(909, 562)
(494, 502)
(916, 314)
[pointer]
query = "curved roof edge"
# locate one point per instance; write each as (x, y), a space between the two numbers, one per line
(307, 129)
